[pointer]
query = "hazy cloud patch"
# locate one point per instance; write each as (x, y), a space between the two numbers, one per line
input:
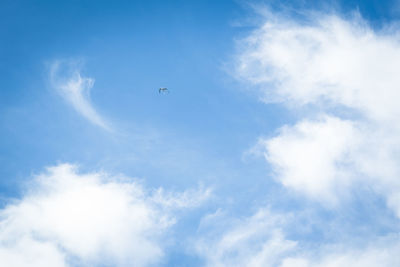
(262, 240)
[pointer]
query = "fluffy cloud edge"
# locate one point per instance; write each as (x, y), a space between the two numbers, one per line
(89, 218)
(340, 70)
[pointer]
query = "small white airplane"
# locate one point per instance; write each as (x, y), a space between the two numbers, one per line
(163, 89)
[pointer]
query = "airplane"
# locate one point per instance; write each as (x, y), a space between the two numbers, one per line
(163, 89)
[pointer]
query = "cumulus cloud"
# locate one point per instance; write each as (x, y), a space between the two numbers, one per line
(66, 78)
(324, 158)
(260, 241)
(344, 73)
(325, 59)
(72, 219)
(313, 157)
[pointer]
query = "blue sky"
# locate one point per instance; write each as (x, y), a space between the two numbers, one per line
(277, 144)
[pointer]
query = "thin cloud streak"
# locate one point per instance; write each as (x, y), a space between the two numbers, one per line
(261, 240)
(66, 79)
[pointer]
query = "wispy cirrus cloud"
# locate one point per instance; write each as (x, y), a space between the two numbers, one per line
(72, 219)
(253, 241)
(66, 79)
(262, 240)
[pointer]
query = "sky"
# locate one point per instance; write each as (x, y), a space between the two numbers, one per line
(277, 143)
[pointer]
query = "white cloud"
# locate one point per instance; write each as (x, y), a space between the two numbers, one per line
(89, 219)
(326, 158)
(27, 252)
(338, 256)
(325, 59)
(330, 66)
(260, 241)
(66, 78)
(189, 198)
(314, 156)
(342, 77)
(253, 241)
